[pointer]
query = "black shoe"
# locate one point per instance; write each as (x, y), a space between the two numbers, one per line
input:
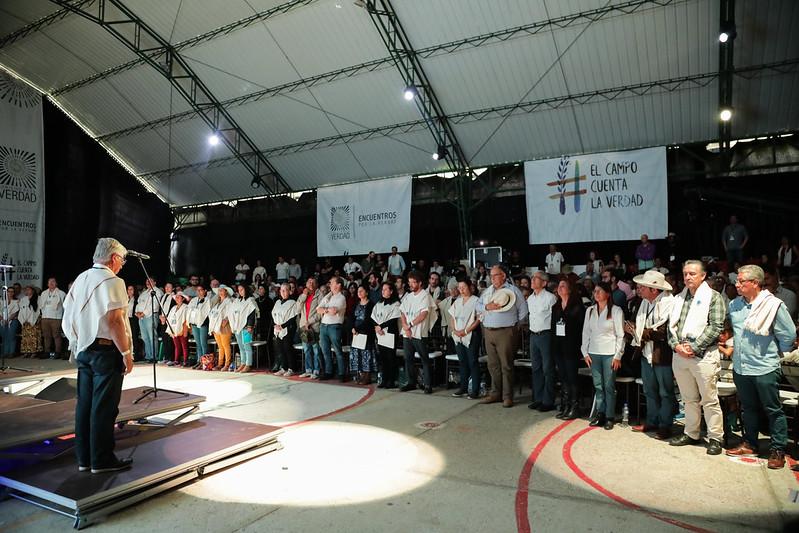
(382, 386)
(608, 424)
(534, 405)
(391, 386)
(545, 408)
(428, 390)
(325, 377)
(714, 447)
(683, 440)
(459, 393)
(574, 411)
(121, 464)
(408, 387)
(598, 420)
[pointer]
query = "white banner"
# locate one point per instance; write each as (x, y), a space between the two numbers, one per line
(614, 196)
(362, 217)
(21, 180)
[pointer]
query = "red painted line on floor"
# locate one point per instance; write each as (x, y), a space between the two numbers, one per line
(522, 488)
(792, 463)
(567, 457)
(369, 392)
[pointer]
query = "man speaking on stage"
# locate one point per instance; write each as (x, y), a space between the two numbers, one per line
(98, 330)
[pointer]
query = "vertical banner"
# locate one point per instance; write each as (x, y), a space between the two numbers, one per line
(615, 196)
(21, 180)
(361, 217)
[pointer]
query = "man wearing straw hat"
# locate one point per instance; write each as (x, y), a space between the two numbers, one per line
(651, 338)
(501, 307)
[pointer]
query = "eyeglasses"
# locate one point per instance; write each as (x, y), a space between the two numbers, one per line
(124, 260)
(742, 281)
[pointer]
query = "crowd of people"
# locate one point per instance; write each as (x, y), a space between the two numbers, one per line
(669, 319)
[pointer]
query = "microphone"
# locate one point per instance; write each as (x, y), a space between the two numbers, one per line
(137, 255)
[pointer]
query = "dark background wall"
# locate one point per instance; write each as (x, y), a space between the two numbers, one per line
(89, 195)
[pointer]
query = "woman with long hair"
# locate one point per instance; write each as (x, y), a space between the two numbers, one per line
(363, 360)
(9, 327)
(219, 325)
(466, 334)
(385, 315)
(30, 317)
(242, 322)
(179, 330)
(602, 348)
(568, 315)
(284, 315)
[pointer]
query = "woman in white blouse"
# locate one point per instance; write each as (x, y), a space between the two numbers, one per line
(30, 317)
(466, 335)
(385, 314)
(332, 308)
(602, 348)
(178, 329)
(283, 315)
(219, 325)
(9, 324)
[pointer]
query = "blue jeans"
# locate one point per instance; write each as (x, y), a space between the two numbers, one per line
(659, 390)
(312, 357)
(469, 364)
(330, 335)
(146, 328)
(201, 339)
(542, 365)
(99, 392)
(762, 392)
(604, 384)
(9, 334)
(244, 340)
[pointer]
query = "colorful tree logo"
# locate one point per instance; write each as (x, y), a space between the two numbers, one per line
(562, 183)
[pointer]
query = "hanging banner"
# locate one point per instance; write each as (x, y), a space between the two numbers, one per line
(615, 196)
(363, 217)
(21, 181)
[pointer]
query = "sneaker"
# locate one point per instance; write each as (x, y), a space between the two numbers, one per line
(280, 372)
(776, 459)
(121, 464)
(52, 355)
(314, 376)
(459, 394)
(288, 373)
(305, 375)
(84, 468)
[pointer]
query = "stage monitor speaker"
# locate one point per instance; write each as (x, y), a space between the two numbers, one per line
(491, 255)
(59, 390)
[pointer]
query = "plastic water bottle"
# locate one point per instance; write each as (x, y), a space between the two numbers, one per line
(379, 378)
(469, 386)
(482, 387)
(625, 416)
(232, 367)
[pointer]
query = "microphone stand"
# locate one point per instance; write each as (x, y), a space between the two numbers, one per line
(4, 315)
(153, 301)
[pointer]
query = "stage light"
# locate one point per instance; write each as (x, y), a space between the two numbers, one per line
(213, 139)
(725, 114)
(724, 37)
(410, 92)
(440, 153)
(255, 183)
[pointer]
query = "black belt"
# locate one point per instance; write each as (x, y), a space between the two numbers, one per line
(101, 344)
(542, 332)
(497, 329)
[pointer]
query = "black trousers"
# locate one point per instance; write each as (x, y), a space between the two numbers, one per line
(138, 345)
(99, 390)
(388, 364)
(410, 347)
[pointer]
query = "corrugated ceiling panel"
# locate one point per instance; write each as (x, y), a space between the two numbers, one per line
(765, 105)
(670, 42)
(70, 49)
(766, 31)
(16, 14)
(132, 97)
(282, 120)
(495, 75)
(243, 62)
(326, 38)
(401, 154)
(325, 166)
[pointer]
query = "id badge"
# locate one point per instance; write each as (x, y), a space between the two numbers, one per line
(560, 329)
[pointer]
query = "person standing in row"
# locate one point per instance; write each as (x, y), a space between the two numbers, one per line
(502, 307)
(167, 301)
(415, 311)
(9, 323)
(542, 364)
(554, 261)
(134, 323)
(385, 314)
(602, 348)
(363, 361)
(146, 311)
(242, 322)
(99, 336)
(179, 331)
(696, 320)
(30, 320)
(467, 337)
(566, 325)
(219, 324)
(199, 308)
(396, 264)
(283, 316)
(332, 308)
(51, 303)
(309, 324)
(281, 270)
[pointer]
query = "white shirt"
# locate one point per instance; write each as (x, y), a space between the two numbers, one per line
(259, 271)
(351, 268)
(241, 271)
(296, 271)
(13, 310)
(177, 320)
(554, 263)
(412, 306)
(282, 270)
(27, 315)
(540, 310)
(239, 311)
(396, 264)
(145, 305)
(131, 307)
(435, 292)
(438, 270)
(602, 336)
(198, 312)
(217, 314)
(52, 303)
(333, 300)
(464, 314)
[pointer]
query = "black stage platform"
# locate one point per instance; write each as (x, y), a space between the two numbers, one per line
(162, 460)
(13, 376)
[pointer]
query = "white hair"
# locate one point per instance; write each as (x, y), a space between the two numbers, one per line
(753, 272)
(106, 247)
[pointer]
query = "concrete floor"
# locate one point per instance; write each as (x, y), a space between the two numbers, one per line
(373, 465)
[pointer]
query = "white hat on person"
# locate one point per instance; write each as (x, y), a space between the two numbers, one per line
(505, 298)
(653, 279)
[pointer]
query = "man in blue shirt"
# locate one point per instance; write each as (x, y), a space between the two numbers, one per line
(762, 329)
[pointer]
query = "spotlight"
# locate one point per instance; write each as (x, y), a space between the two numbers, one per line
(725, 114)
(213, 139)
(724, 37)
(727, 32)
(255, 183)
(410, 92)
(440, 153)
